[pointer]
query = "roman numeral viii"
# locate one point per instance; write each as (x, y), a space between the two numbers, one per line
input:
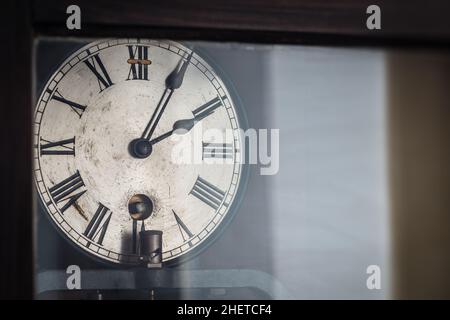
(95, 64)
(98, 225)
(65, 190)
(208, 193)
(63, 147)
(217, 150)
(138, 60)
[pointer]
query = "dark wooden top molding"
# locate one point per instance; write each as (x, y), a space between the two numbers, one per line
(288, 20)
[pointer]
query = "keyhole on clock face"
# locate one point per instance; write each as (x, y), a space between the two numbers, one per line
(140, 207)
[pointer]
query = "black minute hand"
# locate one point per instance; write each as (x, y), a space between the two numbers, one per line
(173, 82)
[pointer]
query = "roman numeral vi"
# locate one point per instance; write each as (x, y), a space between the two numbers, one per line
(98, 225)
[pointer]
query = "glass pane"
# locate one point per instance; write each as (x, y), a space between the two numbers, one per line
(201, 170)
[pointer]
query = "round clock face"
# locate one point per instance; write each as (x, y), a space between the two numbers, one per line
(134, 135)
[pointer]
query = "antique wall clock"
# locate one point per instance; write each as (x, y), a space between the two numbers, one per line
(106, 126)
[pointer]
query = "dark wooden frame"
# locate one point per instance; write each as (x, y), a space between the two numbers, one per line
(322, 22)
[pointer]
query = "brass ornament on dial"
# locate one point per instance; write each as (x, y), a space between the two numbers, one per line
(93, 188)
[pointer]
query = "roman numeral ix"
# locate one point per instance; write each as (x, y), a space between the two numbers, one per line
(65, 189)
(63, 147)
(208, 193)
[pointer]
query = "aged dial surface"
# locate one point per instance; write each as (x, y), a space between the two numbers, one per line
(132, 135)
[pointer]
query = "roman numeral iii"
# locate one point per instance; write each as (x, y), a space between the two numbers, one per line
(63, 147)
(217, 150)
(98, 225)
(208, 193)
(95, 64)
(65, 191)
(138, 60)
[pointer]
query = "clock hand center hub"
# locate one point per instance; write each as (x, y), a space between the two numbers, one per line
(140, 148)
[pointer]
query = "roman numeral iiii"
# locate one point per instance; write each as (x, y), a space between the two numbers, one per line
(208, 193)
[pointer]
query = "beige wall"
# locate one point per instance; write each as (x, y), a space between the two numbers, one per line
(419, 130)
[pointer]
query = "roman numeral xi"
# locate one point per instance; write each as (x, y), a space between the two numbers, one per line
(95, 64)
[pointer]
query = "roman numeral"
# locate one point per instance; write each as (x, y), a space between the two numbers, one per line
(95, 64)
(65, 189)
(141, 61)
(63, 147)
(208, 193)
(98, 225)
(182, 227)
(217, 150)
(208, 108)
(76, 107)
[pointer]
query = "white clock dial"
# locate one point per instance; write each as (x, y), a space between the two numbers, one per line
(104, 146)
